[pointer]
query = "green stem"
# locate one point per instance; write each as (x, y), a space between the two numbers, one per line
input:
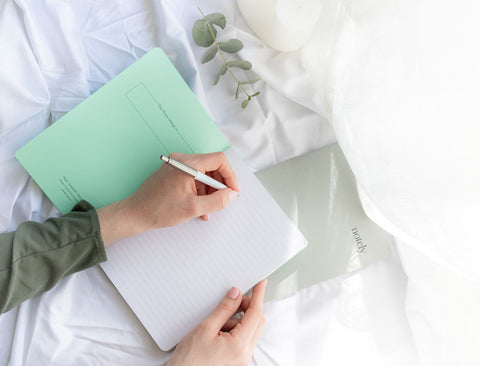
(222, 55)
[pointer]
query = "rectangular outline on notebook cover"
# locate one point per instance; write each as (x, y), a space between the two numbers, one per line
(159, 105)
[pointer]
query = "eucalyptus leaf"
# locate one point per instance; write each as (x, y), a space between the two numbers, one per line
(216, 18)
(222, 71)
(240, 63)
(231, 46)
(245, 103)
(201, 33)
(209, 54)
(254, 95)
(237, 91)
(250, 81)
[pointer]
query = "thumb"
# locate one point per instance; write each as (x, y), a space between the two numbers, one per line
(225, 310)
(215, 201)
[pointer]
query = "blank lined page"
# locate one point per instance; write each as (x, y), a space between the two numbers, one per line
(173, 278)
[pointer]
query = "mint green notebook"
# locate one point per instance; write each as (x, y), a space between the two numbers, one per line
(104, 148)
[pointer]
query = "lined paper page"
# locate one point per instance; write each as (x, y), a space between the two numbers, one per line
(173, 278)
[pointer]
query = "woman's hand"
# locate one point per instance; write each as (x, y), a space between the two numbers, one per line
(169, 197)
(221, 340)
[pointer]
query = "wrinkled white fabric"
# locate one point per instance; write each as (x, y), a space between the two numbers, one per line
(405, 113)
(361, 70)
(401, 91)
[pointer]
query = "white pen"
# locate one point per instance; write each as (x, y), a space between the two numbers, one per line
(193, 172)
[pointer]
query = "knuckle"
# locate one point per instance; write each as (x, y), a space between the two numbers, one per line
(223, 200)
(219, 201)
(224, 307)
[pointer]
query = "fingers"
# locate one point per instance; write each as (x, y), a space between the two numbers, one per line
(216, 166)
(257, 334)
(253, 315)
(230, 324)
(245, 303)
(214, 202)
(236, 319)
(213, 162)
(258, 294)
(224, 311)
(201, 188)
(201, 191)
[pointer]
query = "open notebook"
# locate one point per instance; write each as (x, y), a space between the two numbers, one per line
(108, 145)
(173, 278)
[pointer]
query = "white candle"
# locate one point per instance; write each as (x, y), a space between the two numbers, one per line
(282, 24)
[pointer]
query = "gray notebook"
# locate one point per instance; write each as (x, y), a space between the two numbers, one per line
(318, 192)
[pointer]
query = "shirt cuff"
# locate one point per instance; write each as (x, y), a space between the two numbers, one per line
(84, 206)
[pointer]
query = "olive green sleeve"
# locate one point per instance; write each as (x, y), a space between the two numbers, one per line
(37, 255)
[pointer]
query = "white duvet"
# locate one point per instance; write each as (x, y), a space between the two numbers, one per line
(399, 84)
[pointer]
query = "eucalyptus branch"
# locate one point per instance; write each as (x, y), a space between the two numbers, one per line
(225, 61)
(204, 34)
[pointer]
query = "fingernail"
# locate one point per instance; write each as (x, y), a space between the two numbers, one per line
(233, 293)
(232, 195)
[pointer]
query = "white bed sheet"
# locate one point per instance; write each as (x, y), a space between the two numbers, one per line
(55, 54)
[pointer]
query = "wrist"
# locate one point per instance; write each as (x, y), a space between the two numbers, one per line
(118, 221)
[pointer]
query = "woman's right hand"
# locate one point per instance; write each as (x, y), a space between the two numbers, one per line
(221, 340)
(169, 197)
